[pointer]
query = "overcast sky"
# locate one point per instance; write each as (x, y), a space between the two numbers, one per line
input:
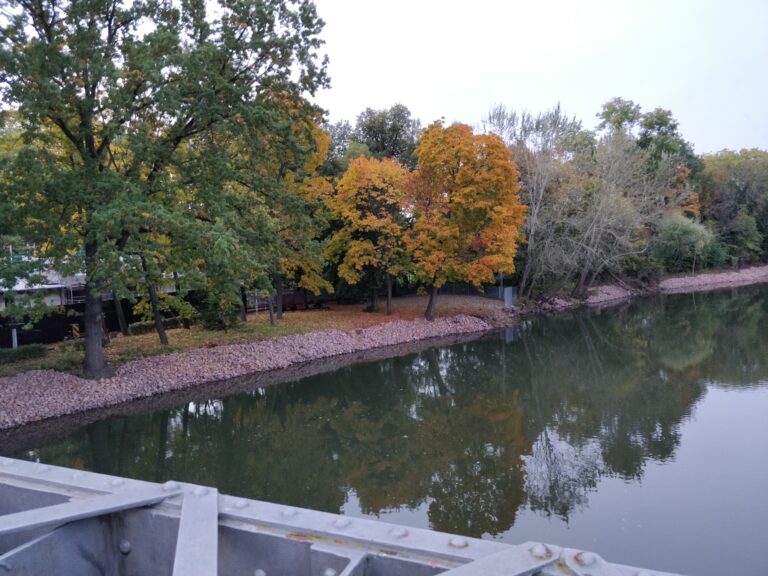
(705, 60)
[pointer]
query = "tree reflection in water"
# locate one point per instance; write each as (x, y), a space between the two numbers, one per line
(473, 432)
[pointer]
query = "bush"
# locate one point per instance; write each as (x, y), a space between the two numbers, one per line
(681, 244)
(23, 353)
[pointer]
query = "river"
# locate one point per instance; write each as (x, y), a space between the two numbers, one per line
(637, 432)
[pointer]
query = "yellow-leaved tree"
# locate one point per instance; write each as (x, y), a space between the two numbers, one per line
(368, 204)
(465, 208)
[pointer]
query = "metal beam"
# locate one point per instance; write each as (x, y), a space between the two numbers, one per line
(58, 514)
(516, 561)
(197, 544)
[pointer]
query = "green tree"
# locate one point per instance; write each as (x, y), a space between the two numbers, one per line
(122, 103)
(680, 243)
(389, 133)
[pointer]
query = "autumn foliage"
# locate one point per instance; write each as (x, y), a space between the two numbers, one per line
(465, 209)
(368, 205)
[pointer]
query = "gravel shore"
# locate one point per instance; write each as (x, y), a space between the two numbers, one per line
(42, 394)
(714, 280)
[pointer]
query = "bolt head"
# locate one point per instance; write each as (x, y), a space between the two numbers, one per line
(541, 551)
(342, 522)
(399, 532)
(259, 572)
(330, 572)
(200, 491)
(586, 558)
(289, 513)
(458, 542)
(117, 482)
(171, 485)
(240, 504)
(124, 546)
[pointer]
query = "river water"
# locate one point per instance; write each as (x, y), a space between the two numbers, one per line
(638, 432)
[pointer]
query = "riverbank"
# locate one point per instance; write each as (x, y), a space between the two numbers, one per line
(38, 395)
(43, 394)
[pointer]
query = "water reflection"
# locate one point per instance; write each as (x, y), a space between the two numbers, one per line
(527, 419)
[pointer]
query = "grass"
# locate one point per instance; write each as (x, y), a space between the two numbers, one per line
(68, 356)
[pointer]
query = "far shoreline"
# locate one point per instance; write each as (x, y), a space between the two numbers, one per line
(39, 399)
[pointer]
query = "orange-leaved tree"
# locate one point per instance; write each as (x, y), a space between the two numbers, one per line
(368, 205)
(465, 208)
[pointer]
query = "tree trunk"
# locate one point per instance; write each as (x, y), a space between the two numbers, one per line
(243, 304)
(271, 308)
(94, 365)
(153, 300)
(389, 294)
(279, 295)
(430, 314)
(305, 294)
(374, 299)
(121, 316)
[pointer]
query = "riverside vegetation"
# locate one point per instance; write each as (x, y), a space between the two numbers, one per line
(189, 153)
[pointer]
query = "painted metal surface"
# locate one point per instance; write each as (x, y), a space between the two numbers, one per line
(87, 524)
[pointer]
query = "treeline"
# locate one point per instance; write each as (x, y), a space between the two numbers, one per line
(630, 200)
(188, 153)
(177, 144)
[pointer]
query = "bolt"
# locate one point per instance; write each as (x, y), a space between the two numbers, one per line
(330, 572)
(240, 504)
(259, 572)
(171, 485)
(342, 522)
(289, 513)
(586, 558)
(200, 491)
(541, 551)
(399, 532)
(124, 546)
(458, 542)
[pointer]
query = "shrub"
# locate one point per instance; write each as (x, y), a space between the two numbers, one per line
(681, 244)
(23, 353)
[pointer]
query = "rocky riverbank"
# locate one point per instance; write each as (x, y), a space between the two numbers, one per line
(43, 394)
(714, 280)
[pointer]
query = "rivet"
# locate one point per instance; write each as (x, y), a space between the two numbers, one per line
(200, 491)
(117, 482)
(399, 532)
(43, 469)
(124, 547)
(240, 504)
(586, 558)
(540, 550)
(259, 572)
(171, 485)
(289, 513)
(342, 522)
(330, 572)
(458, 542)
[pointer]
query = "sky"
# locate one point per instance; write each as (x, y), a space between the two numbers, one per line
(705, 60)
